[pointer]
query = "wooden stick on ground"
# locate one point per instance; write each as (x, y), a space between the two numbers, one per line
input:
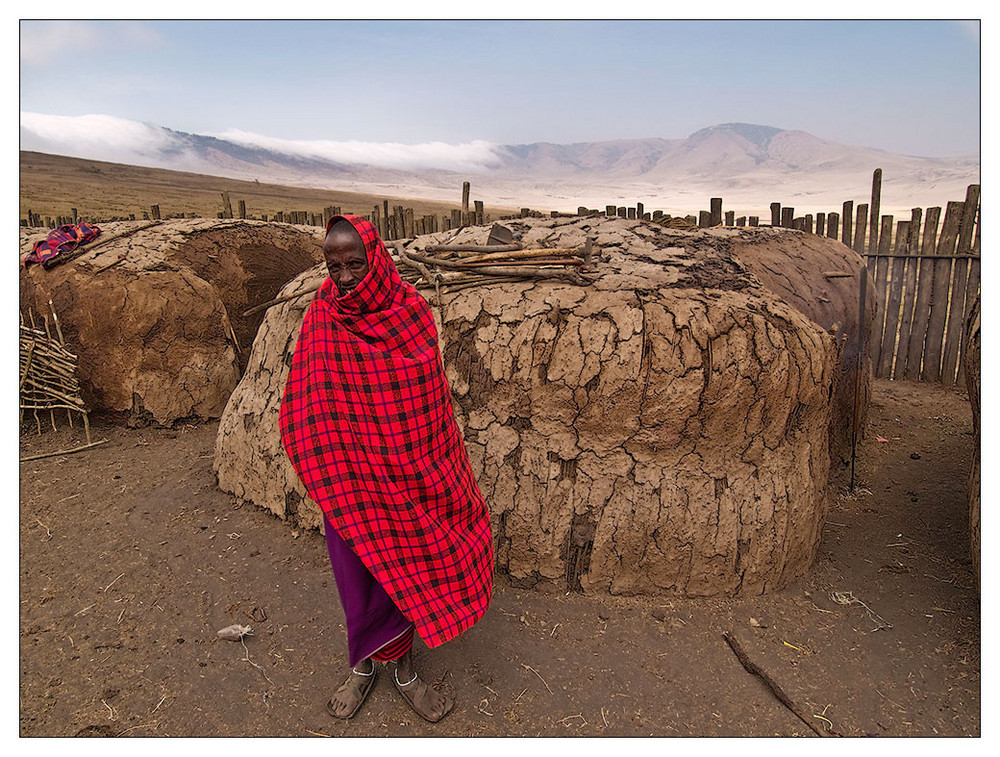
(62, 451)
(782, 697)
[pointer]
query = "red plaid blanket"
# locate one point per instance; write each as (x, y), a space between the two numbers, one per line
(368, 425)
(60, 240)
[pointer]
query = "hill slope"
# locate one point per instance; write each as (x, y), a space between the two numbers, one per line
(748, 165)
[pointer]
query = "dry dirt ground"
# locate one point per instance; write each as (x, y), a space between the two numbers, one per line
(131, 559)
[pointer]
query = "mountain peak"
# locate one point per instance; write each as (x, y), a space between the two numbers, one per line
(758, 135)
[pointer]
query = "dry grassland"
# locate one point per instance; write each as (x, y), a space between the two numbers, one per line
(51, 185)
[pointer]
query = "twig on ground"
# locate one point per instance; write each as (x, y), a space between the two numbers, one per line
(314, 733)
(775, 689)
(528, 667)
(112, 583)
(48, 531)
(848, 598)
(247, 658)
(62, 452)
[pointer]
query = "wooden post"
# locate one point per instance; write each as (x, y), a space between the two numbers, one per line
(873, 240)
(622, 211)
(730, 216)
(916, 305)
(787, 216)
(456, 217)
(832, 225)
(631, 212)
(847, 232)
(154, 212)
(776, 214)
(860, 228)
(880, 293)
(639, 211)
(610, 210)
(741, 221)
(398, 231)
(227, 206)
(808, 228)
(466, 187)
(479, 212)
(715, 206)
(704, 219)
(893, 299)
(962, 296)
(821, 224)
(970, 214)
(243, 208)
(941, 281)
(754, 220)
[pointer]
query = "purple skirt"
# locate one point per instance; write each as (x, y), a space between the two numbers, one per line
(372, 618)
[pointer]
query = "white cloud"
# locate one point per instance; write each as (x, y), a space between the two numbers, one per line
(119, 140)
(468, 156)
(97, 137)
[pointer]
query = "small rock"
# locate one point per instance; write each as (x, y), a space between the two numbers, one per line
(754, 622)
(914, 456)
(234, 632)
(660, 614)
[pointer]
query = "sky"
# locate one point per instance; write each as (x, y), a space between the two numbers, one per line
(911, 87)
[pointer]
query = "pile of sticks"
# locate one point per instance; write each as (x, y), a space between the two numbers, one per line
(48, 373)
(452, 267)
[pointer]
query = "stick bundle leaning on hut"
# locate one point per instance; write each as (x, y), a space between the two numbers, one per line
(454, 267)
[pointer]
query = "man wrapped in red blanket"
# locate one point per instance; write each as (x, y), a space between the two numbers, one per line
(368, 425)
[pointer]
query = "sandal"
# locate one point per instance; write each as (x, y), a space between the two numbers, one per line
(402, 689)
(364, 691)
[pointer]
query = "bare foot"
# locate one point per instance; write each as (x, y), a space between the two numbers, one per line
(428, 703)
(352, 693)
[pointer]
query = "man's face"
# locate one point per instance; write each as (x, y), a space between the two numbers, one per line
(345, 257)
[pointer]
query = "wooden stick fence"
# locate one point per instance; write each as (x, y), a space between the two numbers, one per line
(926, 278)
(393, 223)
(48, 373)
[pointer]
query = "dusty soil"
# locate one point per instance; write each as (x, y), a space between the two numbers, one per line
(131, 559)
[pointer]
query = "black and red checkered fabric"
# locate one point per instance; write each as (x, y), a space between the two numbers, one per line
(368, 425)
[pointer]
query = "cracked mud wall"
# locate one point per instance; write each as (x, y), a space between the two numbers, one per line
(820, 277)
(155, 315)
(664, 430)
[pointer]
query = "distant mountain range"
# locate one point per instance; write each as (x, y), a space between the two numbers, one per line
(748, 165)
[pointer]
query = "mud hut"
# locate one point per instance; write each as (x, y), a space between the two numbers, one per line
(154, 310)
(665, 429)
